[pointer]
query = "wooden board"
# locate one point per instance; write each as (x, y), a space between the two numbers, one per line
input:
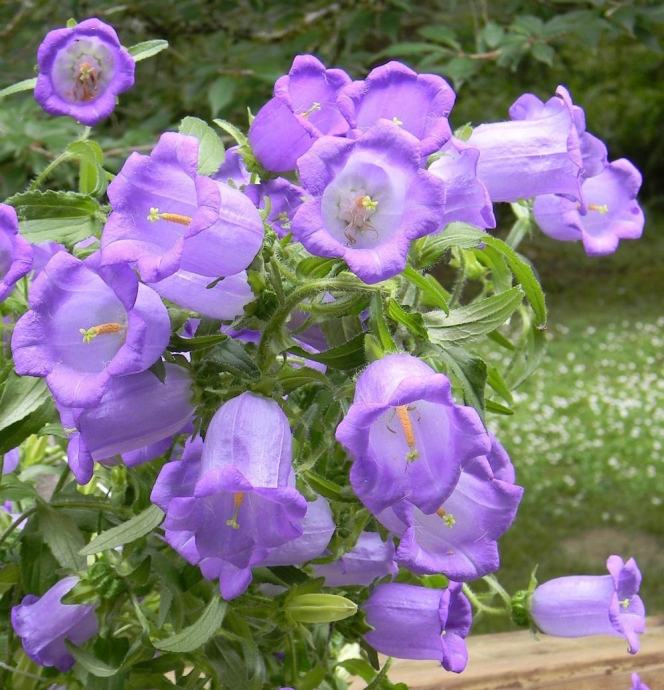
(519, 661)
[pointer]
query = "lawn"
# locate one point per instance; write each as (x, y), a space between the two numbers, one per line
(588, 429)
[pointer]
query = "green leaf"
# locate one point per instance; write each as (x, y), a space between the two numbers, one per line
(379, 325)
(326, 487)
(129, 531)
(25, 85)
(201, 342)
(412, 321)
(197, 634)
(291, 378)
(350, 355)
(220, 94)
(9, 576)
(493, 34)
(409, 48)
(62, 536)
(358, 667)
(231, 356)
(473, 320)
(497, 382)
(146, 49)
(315, 267)
(238, 135)
(21, 396)
(12, 436)
(66, 217)
(13, 489)
(211, 148)
(320, 608)
(92, 176)
(528, 357)
(497, 408)
(91, 663)
(543, 52)
(430, 287)
(469, 370)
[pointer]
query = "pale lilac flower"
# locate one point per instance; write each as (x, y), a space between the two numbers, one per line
(15, 252)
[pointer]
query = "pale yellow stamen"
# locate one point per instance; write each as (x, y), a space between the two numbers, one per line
(312, 109)
(238, 498)
(178, 218)
(446, 517)
(600, 208)
(397, 121)
(407, 426)
(369, 203)
(89, 334)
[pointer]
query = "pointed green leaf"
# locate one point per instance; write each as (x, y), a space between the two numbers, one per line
(62, 536)
(147, 49)
(129, 531)
(91, 663)
(197, 634)
(211, 149)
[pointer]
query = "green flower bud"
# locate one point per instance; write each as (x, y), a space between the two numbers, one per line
(320, 608)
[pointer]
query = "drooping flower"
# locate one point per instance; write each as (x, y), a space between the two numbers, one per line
(136, 411)
(581, 605)
(86, 326)
(303, 108)
(11, 460)
(44, 623)
(82, 70)
(140, 456)
(612, 212)
(593, 150)
(466, 198)
(166, 217)
(637, 683)
(460, 538)
(42, 253)
(529, 157)
(233, 171)
(371, 198)
(420, 103)
(284, 199)
(413, 622)
(370, 559)
(239, 501)
(15, 252)
(406, 435)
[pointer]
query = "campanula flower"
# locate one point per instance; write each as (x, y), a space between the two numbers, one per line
(44, 623)
(11, 460)
(15, 252)
(406, 435)
(136, 411)
(370, 199)
(303, 108)
(82, 70)
(637, 683)
(412, 622)
(166, 217)
(581, 605)
(233, 171)
(86, 326)
(420, 103)
(608, 212)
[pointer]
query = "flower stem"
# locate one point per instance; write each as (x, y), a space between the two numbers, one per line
(482, 607)
(37, 182)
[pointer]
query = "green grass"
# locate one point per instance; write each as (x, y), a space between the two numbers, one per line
(588, 431)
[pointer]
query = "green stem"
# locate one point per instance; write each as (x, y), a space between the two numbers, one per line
(460, 281)
(36, 183)
(482, 607)
(492, 581)
(293, 659)
(61, 481)
(21, 518)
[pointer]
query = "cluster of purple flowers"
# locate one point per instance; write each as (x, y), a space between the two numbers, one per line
(377, 167)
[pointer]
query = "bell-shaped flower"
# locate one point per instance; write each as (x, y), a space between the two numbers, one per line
(240, 499)
(371, 198)
(44, 624)
(466, 198)
(86, 326)
(412, 622)
(406, 435)
(136, 411)
(528, 157)
(10, 460)
(166, 217)
(460, 539)
(233, 171)
(284, 199)
(593, 150)
(420, 103)
(612, 212)
(303, 109)
(370, 559)
(82, 69)
(581, 605)
(637, 683)
(15, 252)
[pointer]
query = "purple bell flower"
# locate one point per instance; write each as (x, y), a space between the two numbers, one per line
(420, 103)
(460, 538)
(44, 623)
(581, 605)
(11, 460)
(371, 198)
(136, 411)
(166, 217)
(529, 157)
(86, 326)
(612, 212)
(285, 198)
(413, 622)
(371, 558)
(304, 108)
(140, 456)
(82, 70)
(42, 253)
(233, 171)
(466, 198)
(406, 435)
(593, 150)
(637, 683)
(15, 252)
(238, 501)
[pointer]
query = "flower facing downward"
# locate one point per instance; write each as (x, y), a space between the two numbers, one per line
(44, 623)
(15, 252)
(413, 622)
(87, 325)
(371, 198)
(420, 103)
(637, 683)
(407, 437)
(581, 605)
(608, 212)
(82, 70)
